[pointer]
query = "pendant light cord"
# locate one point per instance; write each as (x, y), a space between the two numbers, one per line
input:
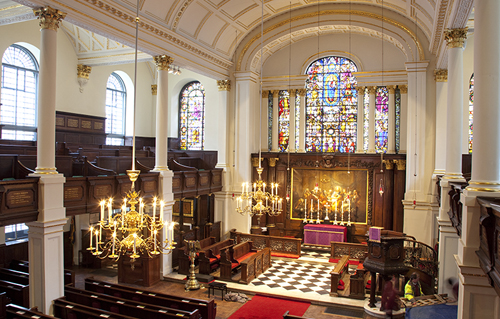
(135, 83)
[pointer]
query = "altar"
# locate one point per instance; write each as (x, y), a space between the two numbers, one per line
(323, 234)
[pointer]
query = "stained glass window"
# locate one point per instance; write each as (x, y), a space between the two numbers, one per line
(297, 120)
(471, 108)
(381, 118)
(398, 118)
(331, 105)
(19, 94)
(116, 97)
(283, 120)
(270, 121)
(366, 119)
(192, 116)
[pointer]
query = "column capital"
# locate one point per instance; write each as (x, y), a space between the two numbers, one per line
(372, 89)
(391, 89)
(154, 89)
(455, 38)
(389, 164)
(441, 75)
(83, 71)
(275, 93)
(273, 161)
(163, 61)
(400, 164)
(292, 92)
(49, 17)
(265, 94)
(301, 92)
(360, 89)
(255, 161)
(403, 89)
(224, 85)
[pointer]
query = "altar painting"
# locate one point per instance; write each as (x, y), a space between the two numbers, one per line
(333, 195)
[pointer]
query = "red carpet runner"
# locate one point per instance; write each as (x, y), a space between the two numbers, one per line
(269, 308)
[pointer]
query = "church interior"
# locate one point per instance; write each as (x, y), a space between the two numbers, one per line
(312, 150)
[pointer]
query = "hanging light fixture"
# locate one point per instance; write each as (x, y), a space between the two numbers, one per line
(134, 232)
(257, 201)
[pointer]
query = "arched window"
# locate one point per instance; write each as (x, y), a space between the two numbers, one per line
(19, 94)
(471, 108)
(116, 97)
(331, 105)
(192, 116)
(381, 118)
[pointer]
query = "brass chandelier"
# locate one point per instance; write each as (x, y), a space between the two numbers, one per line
(134, 232)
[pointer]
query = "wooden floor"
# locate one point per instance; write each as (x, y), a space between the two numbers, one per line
(224, 308)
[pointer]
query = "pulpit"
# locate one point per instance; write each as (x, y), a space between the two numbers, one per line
(144, 271)
(319, 234)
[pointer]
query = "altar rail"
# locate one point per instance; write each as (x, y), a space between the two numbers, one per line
(278, 245)
(354, 251)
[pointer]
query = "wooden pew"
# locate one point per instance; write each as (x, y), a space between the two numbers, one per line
(357, 283)
(130, 307)
(185, 261)
(4, 301)
(209, 257)
(18, 294)
(231, 258)
(337, 273)
(207, 308)
(69, 310)
(14, 276)
(17, 312)
(24, 266)
(255, 265)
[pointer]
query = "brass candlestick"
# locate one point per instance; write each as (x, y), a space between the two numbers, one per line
(192, 283)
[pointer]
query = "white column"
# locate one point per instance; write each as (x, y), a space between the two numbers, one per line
(391, 127)
(476, 297)
(46, 234)
(371, 120)
(291, 140)
(302, 121)
(441, 77)
(222, 150)
(154, 93)
(403, 119)
(360, 119)
(161, 154)
(274, 136)
(454, 113)
(161, 160)
(265, 122)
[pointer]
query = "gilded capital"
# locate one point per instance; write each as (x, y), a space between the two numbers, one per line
(49, 17)
(83, 71)
(400, 164)
(403, 89)
(441, 75)
(292, 93)
(154, 89)
(372, 89)
(255, 161)
(391, 89)
(302, 92)
(455, 37)
(389, 164)
(224, 85)
(163, 61)
(275, 93)
(273, 161)
(360, 89)
(265, 94)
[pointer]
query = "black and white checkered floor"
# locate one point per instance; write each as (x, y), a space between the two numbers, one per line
(322, 255)
(298, 276)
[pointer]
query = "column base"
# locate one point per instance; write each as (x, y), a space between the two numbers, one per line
(456, 177)
(160, 169)
(45, 171)
(480, 186)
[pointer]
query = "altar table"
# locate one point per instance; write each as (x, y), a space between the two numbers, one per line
(324, 234)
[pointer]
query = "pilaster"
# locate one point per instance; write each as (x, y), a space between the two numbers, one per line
(274, 135)
(361, 115)
(441, 77)
(371, 120)
(291, 139)
(403, 119)
(302, 121)
(391, 128)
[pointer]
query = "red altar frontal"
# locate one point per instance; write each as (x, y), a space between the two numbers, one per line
(324, 234)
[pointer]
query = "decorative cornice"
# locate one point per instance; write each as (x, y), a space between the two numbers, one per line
(180, 13)
(273, 161)
(83, 71)
(224, 85)
(403, 89)
(49, 17)
(154, 89)
(372, 89)
(441, 75)
(456, 37)
(391, 89)
(163, 62)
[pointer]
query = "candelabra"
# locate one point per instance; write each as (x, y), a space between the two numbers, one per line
(257, 201)
(133, 233)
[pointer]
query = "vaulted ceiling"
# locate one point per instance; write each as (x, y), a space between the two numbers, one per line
(205, 34)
